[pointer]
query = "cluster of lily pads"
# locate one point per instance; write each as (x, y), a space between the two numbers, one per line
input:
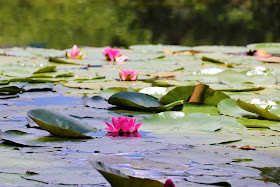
(214, 92)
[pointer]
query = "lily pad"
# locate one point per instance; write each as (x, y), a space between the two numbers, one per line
(116, 178)
(140, 101)
(59, 124)
(230, 108)
(19, 138)
(200, 93)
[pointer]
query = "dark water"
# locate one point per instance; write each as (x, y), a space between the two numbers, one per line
(62, 23)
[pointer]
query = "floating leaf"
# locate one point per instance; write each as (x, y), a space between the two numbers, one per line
(59, 124)
(116, 178)
(140, 101)
(200, 93)
(230, 108)
(19, 138)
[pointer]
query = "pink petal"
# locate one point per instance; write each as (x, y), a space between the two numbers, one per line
(134, 76)
(136, 127)
(122, 76)
(117, 124)
(125, 126)
(111, 128)
(121, 58)
(169, 183)
(74, 51)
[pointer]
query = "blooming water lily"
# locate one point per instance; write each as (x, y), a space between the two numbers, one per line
(123, 125)
(76, 53)
(128, 75)
(114, 55)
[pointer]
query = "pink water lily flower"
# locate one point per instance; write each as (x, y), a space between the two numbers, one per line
(76, 53)
(128, 75)
(114, 55)
(123, 124)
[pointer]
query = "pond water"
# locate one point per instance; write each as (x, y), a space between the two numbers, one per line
(62, 23)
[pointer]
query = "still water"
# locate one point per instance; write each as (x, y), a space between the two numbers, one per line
(62, 23)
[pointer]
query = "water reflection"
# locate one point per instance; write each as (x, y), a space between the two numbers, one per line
(62, 23)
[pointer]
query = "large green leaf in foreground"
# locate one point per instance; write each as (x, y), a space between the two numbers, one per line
(140, 101)
(59, 124)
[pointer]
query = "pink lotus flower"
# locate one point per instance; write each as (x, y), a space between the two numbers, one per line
(114, 55)
(128, 75)
(123, 124)
(76, 53)
(169, 183)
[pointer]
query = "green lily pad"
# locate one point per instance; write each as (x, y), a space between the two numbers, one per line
(230, 108)
(140, 101)
(116, 178)
(172, 121)
(59, 124)
(19, 138)
(198, 94)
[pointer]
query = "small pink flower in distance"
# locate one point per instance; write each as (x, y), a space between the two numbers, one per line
(125, 124)
(76, 53)
(128, 75)
(169, 183)
(114, 55)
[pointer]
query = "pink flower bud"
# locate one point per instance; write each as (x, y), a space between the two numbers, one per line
(128, 75)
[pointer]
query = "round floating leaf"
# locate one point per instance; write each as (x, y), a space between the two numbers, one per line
(230, 108)
(19, 138)
(200, 93)
(116, 178)
(172, 121)
(59, 124)
(140, 101)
